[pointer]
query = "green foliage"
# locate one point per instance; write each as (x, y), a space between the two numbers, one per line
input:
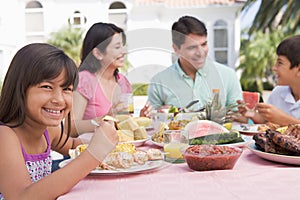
(274, 21)
(140, 89)
(274, 14)
(69, 40)
(257, 57)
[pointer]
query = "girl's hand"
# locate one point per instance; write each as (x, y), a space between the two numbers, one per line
(103, 141)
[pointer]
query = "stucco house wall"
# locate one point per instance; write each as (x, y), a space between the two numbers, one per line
(148, 24)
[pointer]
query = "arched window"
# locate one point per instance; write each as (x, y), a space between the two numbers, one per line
(34, 21)
(118, 14)
(221, 41)
(117, 5)
(34, 4)
(77, 19)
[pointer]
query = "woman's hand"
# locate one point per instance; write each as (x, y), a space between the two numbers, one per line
(146, 110)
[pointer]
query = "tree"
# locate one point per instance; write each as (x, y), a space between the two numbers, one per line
(274, 21)
(274, 14)
(69, 40)
(257, 57)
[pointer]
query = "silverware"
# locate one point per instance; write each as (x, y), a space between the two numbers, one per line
(200, 109)
(185, 109)
(95, 123)
(244, 127)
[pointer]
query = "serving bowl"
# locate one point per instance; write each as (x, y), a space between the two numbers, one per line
(211, 157)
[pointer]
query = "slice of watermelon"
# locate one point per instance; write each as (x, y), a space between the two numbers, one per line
(199, 128)
(251, 98)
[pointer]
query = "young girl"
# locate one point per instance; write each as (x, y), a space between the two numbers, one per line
(100, 83)
(36, 96)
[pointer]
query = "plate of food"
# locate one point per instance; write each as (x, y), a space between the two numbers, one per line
(248, 129)
(135, 168)
(243, 141)
(157, 143)
(286, 159)
(124, 159)
(232, 138)
(252, 129)
(137, 143)
(123, 138)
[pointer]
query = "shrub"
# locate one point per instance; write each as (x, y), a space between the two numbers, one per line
(140, 89)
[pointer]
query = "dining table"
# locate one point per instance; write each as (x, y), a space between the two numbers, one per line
(251, 178)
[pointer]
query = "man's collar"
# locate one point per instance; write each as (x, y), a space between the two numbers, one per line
(201, 72)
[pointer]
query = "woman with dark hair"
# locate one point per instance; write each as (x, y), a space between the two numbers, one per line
(100, 83)
(36, 97)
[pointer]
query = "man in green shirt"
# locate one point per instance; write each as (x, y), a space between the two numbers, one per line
(193, 76)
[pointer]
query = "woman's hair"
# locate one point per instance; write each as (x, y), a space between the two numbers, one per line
(290, 47)
(32, 64)
(184, 26)
(98, 36)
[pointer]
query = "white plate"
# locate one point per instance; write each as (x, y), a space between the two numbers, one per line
(137, 143)
(246, 139)
(148, 166)
(160, 144)
(86, 137)
(251, 128)
(294, 160)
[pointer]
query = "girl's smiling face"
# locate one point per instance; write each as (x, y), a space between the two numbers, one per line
(49, 102)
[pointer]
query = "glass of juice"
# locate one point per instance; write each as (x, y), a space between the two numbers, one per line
(126, 104)
(175, 142)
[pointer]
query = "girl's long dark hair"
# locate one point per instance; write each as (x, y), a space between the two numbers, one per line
(32, 64)
(98, 36)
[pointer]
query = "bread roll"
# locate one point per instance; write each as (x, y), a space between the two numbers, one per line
(128, 124)
(140, 133)
(122, 117)
(143, 121)
(125, 135)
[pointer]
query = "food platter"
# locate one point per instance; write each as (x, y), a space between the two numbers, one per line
(160, 144)
(294, 160)
(137, 143)
(246, 139)
(86, 137)
(148, 166)
(247, 129)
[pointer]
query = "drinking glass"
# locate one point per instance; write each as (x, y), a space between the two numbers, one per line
(175, 142)
(126, 105)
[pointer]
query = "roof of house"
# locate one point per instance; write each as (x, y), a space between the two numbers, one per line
(186, 3)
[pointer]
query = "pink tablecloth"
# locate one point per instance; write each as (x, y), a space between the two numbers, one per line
(252, 178)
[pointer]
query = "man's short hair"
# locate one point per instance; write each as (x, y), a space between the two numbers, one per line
(184, 26)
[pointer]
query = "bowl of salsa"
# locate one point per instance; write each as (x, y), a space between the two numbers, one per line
(211, 157)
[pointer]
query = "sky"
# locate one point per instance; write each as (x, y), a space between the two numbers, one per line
(248, 17)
